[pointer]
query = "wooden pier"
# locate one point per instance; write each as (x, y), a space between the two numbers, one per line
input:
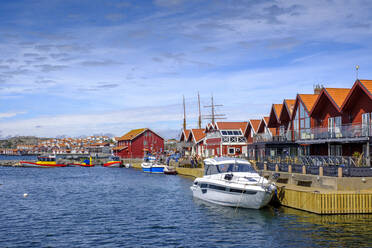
(325, 202)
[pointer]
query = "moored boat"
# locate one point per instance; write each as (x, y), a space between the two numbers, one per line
(85, 163)
(232, 182)
(42, 162)
(113, 163)
(170, 170)
(150, 165)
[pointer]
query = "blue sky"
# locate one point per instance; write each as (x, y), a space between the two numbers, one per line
(86, 67)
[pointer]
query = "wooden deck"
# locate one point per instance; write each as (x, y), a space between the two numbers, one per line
(325, 201)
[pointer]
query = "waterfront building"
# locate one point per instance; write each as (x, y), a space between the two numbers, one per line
(225, 139)
(250, 133)
(184, 145)
(330, 122)
(197, 139)
(138, 142)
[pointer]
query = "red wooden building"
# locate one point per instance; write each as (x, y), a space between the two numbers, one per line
(138, 142)
(226, 139)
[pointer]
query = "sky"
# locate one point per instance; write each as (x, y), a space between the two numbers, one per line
(89, 67)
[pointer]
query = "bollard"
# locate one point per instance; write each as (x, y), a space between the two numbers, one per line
(276, 168)
(289, 168)
(265, 166)
(339, 170)
(303, 169)
(321, 171)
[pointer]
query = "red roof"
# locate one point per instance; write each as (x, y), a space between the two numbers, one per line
(197, 134)
(232, 125)
(185, 135)
(255, 124)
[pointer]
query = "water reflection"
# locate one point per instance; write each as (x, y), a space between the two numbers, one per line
(329, 230)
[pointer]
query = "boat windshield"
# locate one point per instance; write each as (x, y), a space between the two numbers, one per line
(226, 168)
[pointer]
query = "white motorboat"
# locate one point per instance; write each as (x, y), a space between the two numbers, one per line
(232, 182)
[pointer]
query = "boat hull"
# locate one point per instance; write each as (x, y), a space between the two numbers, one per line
(168, 170)
(253, 199)
(114, 164)
(152, 168)
(36, 165)
(83, 165)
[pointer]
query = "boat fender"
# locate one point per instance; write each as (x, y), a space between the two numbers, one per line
(228, 177)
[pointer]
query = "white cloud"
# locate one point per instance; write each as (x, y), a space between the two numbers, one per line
(10, 114)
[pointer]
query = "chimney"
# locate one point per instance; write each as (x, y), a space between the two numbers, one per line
(317, 89)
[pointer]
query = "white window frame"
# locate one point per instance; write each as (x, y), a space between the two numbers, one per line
(229, 149)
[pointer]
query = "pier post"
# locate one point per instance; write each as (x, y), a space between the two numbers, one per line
(289, 168)
(303, 169)
(265, 166)
(321, 171)
(339, 170)
(276, 168)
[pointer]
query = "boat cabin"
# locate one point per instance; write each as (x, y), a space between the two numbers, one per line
(226, 165)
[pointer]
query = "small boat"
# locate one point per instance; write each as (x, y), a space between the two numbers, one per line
(85, 163)
(170, 170)
(232, 182)
(113, 163)
(151, 166)
(43, 162)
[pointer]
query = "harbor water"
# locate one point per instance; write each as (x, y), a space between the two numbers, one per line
(118, 207)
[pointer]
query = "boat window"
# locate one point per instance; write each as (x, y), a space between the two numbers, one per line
(223, 168)
(243, 191)
(236, 190)
(195, 183)
(216, 187)
(203, 185)
(211, 169)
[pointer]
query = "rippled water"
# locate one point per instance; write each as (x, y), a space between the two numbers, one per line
(118, 207)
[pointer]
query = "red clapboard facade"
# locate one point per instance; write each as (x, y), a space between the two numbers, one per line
(138, 142)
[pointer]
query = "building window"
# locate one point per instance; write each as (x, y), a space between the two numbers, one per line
(231, 150)
(301, 123)
(233, 139)
(334, 126)
(366, 124)
(335, 150)
(144, 142)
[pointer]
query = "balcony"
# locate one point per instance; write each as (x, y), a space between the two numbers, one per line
(264, 137)
(344, 132)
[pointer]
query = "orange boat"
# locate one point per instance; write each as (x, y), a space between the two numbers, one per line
(43, 162)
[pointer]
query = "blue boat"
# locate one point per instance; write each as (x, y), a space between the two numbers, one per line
(149, 165)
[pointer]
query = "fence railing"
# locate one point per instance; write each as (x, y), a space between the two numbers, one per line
(336, 132)
(340, 132)
(345, 161)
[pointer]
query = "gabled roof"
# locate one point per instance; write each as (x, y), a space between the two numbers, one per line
(308, 101)
(197, 135)
(185, 135)
(336, 96)
(254, 124)
(367, 85)
(273, 119)
(364, 85)
(232, 125)
(289, 105)
(287, 109)
(132, 134)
